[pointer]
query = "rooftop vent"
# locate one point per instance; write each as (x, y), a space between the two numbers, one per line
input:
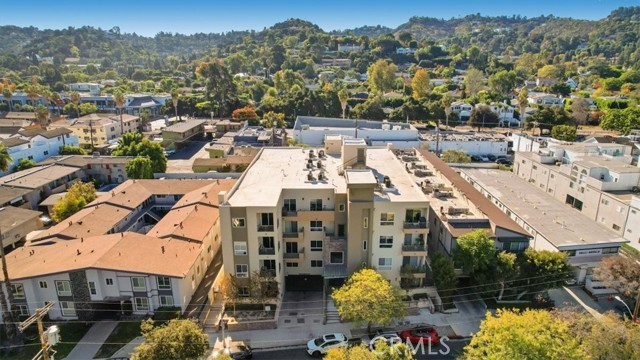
(387, 182)
(310, 176)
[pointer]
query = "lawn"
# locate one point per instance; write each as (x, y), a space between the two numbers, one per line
(121, 335)
(70, 333)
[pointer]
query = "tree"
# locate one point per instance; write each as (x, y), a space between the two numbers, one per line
(263, 286)
(359, 352)
(444, 276)
(271, 117)
(446, 102)
(178, 339)
(506, 269)
(246, 113)
(75, 99)
(25, 164)
(543, 270)
(623, 120)
(87, 108)
(528, 335)
(284, 80)
(343, 97)
(229, 290)
(367, 297)
(381, 351)
(219, 84)
(547, 118)
(621, 273)
(523, 102)
(42, 115)
(78, 196)
(134, 144)
(503, 81)
(7, 91)
(119, 100)
(72, 150)
(175, 97)
(477, 254)
(482, 116)
(145, 117)
(473, 81)
(453, 156)
(551, 72)
(580, 111)
(420, 85)
(382, 76)
(139, 168)
(564, 132)
(5, 158)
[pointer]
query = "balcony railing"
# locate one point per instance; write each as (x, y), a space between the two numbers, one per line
(267, 272)
(294, 255)
(289, 212)
(415, 225)
(414, 247)
(266, 251)
(265, 227)
(410, 269)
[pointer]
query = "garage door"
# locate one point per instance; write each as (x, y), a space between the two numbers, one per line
(303, 283)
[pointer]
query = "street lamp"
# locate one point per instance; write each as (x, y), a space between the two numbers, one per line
(618, 298)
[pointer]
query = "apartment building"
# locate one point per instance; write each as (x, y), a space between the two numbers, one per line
(605, 188)
(41, 181)
(103, 169)
(16, 223)
(311, 217)
(105, 128)
(144, 245)
(548, 221)
(457, 208)
(472, 143)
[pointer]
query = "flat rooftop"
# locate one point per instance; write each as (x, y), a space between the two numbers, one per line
(383, 162)
(562, 226)
(339, 123)
(607, 162)
(184, 126)
(462, 136)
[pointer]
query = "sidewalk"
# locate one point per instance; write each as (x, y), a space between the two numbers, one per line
(90, 343)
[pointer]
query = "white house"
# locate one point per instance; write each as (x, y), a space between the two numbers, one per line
(505, 114)
(37, 145)
(463, 109)
(544, 99)
(92, 88)
(349, 48)
(405, 51)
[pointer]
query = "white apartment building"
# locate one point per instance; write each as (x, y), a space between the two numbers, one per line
(472, 143)
(311, 217)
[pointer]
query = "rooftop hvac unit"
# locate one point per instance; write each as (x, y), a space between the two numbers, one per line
(386, 127)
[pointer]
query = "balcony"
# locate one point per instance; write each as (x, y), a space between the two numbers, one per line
(299, 235)
(266, 251)
(267, 272)
(419, 227)
(317, 215)
(415, 249)
(414, 272)
(289, 213)
(299, 255)
(265, 227)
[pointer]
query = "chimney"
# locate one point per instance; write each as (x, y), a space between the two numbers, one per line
(162, 247)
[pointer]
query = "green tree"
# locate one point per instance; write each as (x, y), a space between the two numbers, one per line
(507, 269)
(284, 80)
(453, 156)
(382, 76)
(134, 144)
(483, 117)
(175, 98)
(139, 168)
(75, 99)
(564, 132)
(219, 84)
(359, 352)
(529, 335)
(523, 102)
(367, 297)
(444, 276)
(547, 117)
(5, 158)
(271, 117)
(554, 72)
(503, 81)
(420, 85)
(542, 270)
(42, 115)
(119, 100)
(87, 108)
(343, 97)
(473, 81)
(7, 91)
(178, 339)
(25, 164)
(78, 196)
(72, 150)
(477, 254)
(621, 120)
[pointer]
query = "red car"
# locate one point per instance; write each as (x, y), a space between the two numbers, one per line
(427, 334)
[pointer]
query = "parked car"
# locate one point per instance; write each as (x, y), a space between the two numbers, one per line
(483, 158)
(424, 333)
(501, 157)
(236, 350)
(320, 346)
(169, 152)
(475, 158)
(390, 338)
(504, 162)
(491, 157)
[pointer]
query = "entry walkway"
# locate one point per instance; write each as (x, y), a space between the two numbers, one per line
(201, 297)
(90, 343)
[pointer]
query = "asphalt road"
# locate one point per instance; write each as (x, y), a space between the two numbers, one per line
(300, 353)
(182, 160)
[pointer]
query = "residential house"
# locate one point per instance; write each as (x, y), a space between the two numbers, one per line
(101, 169)
(42, 181)
(16, 223)
(461, 108)
(544, 99)
(93, 89)
(405, 51)
(92, 130)
(179, 133)
(540, 82)
(349, 48)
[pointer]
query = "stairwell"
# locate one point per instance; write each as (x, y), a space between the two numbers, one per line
(331, 315)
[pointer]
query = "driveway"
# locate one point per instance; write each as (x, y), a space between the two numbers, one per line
(301, 309)
(92, 341)
(182, 160)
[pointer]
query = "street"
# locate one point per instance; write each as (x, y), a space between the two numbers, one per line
(300, 353)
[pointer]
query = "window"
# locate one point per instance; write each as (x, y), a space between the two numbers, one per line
(142, 303)
(138, 284)
(315, 225)
(46, 153)
(166, 300)
(316, 245)
(108, 281)
(336, 257)
(164, 283)
(267, 245)
(291, 247)
(43, 284)
(386, 242)
(266, 222)
(384, 264)
(365, 222)
(68, 308)
(92, 288)
(315, 204)
(292, 264)
(611, 250)
(386, 219)
(63, 288)
(240, 247)
(289, 205)
(535, 167)
(615, 227)
(316, 263)
(23, 310)
(341, 207)
(238, 222)
(365, 243)
(243, 291)
(17, 290)
(242, 270)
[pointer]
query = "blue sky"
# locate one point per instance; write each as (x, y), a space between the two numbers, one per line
(190, 16)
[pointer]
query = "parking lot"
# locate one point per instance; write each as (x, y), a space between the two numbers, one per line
(182, 160)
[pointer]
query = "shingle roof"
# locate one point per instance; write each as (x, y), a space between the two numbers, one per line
(13, 141)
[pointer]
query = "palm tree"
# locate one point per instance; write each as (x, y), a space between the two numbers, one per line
(55, 97)
(7, 91)
(145, 115)
(42, 115)
(175, 96)
(118, 99)
(447, 100)
(5, 158)
(523, 101)
(33, 93)
(343, 96)
(75, 99)
(7, 314)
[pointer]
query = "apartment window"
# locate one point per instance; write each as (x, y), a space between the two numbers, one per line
(291, 264)
(336, 257)
(266, 222)
(18, 291)
(615, 227)
(316, 245)
(243, 291)
(342, 207)
(386, 219)
(108, 281)
(46, 153)
(242, 270)
(316, 263)
(315, 204)
(384, 263)
(365, 244)
(240, 247)
(238, 222)
(30, 157)
(291, 247)
(166, 300)
(315, 225)
(611, 250)
(386, 242)
(68, 308)
(142, 303)
(43, 284)
(164, 283)
(92, 288)
(23, 310)
(289, 205)
(63, 288)
(365, 222)
(138, 284)
(267, 245)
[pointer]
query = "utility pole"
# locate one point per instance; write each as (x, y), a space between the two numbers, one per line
(48, 338)
(91, 134)
(437, 136)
